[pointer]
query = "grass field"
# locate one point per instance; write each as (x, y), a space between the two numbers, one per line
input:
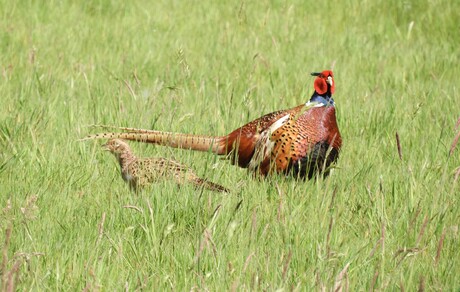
(68, 222)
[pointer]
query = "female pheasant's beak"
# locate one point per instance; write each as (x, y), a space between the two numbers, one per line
(106, 147)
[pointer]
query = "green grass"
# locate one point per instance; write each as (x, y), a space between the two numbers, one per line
(207, 68)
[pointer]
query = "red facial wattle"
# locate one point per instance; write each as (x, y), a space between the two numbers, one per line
(321, 82)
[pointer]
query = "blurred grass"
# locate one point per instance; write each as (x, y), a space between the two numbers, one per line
(205, 67)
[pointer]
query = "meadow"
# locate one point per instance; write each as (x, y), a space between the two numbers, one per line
(384, 220)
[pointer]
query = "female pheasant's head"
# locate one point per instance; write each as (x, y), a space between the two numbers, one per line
(324, 83)
(116, 146)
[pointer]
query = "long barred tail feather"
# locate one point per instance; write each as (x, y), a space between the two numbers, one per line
(126, 129)
(216, 145)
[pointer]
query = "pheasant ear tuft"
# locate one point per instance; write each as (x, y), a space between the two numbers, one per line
(320, 85)
(327, 73)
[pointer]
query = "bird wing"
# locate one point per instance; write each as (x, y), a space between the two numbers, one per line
(264, 144)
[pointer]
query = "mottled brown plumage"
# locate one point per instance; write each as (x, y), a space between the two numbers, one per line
(301, 141)
(141, 172)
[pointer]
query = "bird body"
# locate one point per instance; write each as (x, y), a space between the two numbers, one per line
(141, 172)
(301, 141)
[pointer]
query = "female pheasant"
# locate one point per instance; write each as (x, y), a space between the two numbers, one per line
(141, 172)
(300, 141)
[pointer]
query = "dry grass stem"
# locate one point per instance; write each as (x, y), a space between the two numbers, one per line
(150, 209)
(421, 286)
(253, 222)
(7, 208)
(398, 144)
(438, 251)
(422, 230)
(379, 241)
(454, 143)
(333, 64)
(206, 242)
(374, 280)
(331, 223)
(208, 236)
(3, 274)
(319, 283)
(130, 89)
(12, 276)
(280, 215)
(101, 228)
(412, 222)
(6, 245)
(405, 252)
(328, 237)
(246, 262)
(383, 237)
(138, 81)
(286, 265)
(203, 244)
(457, 174)
(30, 210)
(215, 213)
(338, 287)
(134, 208)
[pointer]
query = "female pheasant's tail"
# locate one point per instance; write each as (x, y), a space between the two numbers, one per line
(216, 145)
(199, 182)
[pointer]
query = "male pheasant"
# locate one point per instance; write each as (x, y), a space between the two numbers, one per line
(141, 172)
(301, 141)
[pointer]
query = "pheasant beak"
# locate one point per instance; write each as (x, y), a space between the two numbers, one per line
(105, 147)
(329, 81)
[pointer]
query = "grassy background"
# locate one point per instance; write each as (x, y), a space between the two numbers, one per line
(205, 67)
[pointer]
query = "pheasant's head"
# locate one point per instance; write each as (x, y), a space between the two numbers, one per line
(116, 146)
(324, 83)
